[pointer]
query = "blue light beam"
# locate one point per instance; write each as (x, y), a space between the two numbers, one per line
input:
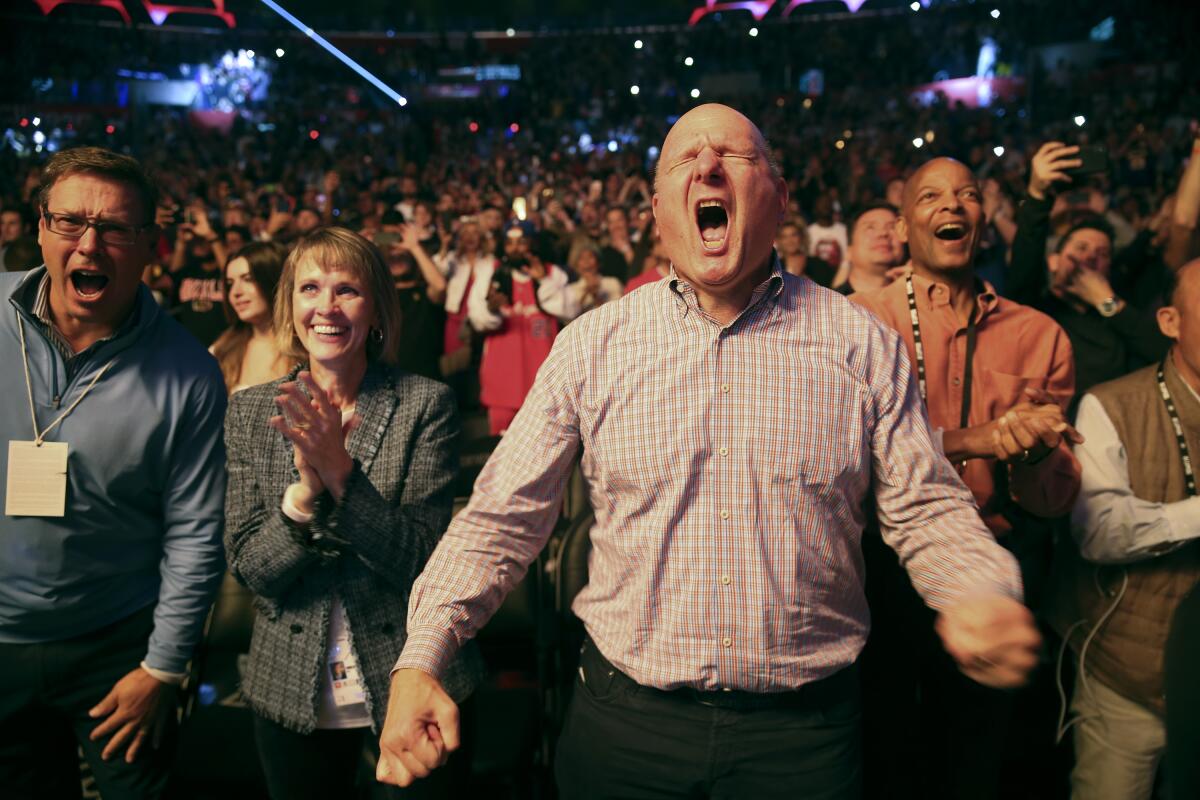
(345, 59)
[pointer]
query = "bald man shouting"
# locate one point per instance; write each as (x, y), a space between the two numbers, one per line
(732, 419)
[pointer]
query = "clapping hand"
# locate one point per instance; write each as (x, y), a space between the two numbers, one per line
(314, 427)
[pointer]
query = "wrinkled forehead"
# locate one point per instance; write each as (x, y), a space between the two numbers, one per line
(714, 126)
(940, 173)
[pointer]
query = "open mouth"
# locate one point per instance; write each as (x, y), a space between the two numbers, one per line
(333, 331)
(951, 231)
(88, 284)
(713, 221)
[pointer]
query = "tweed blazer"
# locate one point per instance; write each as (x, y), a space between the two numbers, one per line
(395, 508)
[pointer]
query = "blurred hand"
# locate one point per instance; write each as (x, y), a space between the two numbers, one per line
(410, 237)
(497, 300)
(535, 269)
(1048, 167)
(992, 637)
(420, 730)
(278, 221)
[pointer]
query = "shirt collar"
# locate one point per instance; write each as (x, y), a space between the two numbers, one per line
(686, 298)
(938, 294)
(41, 310)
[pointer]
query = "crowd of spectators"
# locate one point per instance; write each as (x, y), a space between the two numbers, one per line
(506, 217)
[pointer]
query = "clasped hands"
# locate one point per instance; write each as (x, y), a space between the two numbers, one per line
(1031, 429)
(314, 427)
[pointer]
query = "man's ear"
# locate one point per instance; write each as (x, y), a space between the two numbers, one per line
(654, 206)
(1052, 262)
(1168, 322)
(902, 229)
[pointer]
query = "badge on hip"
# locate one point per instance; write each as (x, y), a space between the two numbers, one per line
(344, 675)
(37, 479)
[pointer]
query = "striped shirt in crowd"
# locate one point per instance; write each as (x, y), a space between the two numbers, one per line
(728, 468)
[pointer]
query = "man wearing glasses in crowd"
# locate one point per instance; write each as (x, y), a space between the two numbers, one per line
(114, 487)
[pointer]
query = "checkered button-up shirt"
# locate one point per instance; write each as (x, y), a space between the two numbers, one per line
(727, 466)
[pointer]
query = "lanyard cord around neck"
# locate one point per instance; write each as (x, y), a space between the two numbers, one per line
(39, 437)
(1189, 477)
(919, 347)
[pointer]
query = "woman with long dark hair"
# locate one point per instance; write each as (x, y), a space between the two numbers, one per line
(247, 351)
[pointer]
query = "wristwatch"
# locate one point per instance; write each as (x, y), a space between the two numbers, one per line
(1109, 307)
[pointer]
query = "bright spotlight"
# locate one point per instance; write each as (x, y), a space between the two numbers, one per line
(637, 44)
(634, 89)
(687, 62)
(1080, 119)
(915, 6)
(695, 93)
(335, 52)
(510, 32)
(754, 31)
(998, 150)
(995, 13)
(279, 52)
(918, 142)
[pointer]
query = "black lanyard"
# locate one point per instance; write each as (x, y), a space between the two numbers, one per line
(915, 319)
(1189, 477)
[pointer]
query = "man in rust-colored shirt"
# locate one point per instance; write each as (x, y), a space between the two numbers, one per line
(996, 378)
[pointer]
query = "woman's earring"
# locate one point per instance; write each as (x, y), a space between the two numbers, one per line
(377, 335)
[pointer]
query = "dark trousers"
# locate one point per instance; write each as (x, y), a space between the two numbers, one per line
(327, 764)
(622, 740)
(929, 732)
(46, 691)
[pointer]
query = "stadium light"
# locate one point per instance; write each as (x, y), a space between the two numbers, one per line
(695, 93)
(995, 13)
(754, 31)
(918, 142)
(1080, 120)
(998, 150)
(637, 44)
(338, 54)
(687, 62)
(634, 89)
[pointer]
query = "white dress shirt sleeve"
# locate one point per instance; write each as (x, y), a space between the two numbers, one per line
(1111, 524)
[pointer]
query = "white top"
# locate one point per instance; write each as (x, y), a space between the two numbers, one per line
(1112, 525)
(331, 716)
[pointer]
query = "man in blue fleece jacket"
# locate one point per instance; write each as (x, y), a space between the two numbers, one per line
(106, 574)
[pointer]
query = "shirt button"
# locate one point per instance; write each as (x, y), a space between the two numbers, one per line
(725, 388)
(724, 451)
(724, 513)
(726, 580)
(727, 642)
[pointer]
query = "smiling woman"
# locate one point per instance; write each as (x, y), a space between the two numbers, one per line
(248, 351)
(340, 487)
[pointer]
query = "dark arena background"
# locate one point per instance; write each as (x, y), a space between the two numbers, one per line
(447, 126)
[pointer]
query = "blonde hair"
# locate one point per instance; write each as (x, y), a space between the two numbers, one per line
(340, 248)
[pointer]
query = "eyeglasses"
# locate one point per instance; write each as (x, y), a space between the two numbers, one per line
(74, 228)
